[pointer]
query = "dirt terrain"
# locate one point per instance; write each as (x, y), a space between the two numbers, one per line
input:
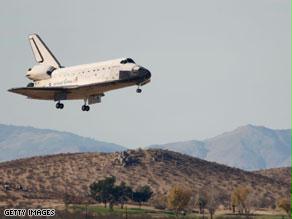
(47, 179)
(282, 174)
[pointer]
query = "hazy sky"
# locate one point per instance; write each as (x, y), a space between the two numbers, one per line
(215, 65)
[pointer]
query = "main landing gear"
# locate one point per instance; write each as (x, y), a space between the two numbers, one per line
(59, 105)
(85, 108)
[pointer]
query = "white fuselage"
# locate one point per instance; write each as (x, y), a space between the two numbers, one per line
(83, 81)
(86, 74)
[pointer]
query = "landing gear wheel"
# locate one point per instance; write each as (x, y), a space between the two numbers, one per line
(139, 90)
(59, 105)
(85, 108)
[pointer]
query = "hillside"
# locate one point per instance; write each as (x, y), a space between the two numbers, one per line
(21, 142)
(280, 174)
(247, 147)
(47, 179)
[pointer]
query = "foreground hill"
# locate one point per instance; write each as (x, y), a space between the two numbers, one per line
(247, 147)
(280, 174)
(48, 178)
(20, 142)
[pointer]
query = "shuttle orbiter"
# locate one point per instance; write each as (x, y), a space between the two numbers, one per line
(89, 82)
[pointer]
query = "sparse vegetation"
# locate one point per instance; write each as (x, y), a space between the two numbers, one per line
(285, 204)
(178, 199)
(212, 201)
(243, 199)
(282, 174)
(63, 179)
(160, 202)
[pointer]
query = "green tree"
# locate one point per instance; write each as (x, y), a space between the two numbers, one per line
(123, 193)
(142, 194)
(202, 202)
(103, 191)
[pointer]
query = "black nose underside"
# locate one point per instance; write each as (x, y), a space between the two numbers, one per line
(148, 75)
(145, 73)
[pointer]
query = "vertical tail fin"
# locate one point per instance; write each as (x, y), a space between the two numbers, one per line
(41, 52)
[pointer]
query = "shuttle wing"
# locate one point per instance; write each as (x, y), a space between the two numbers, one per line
(67, 92)
(47, 93)
(59, 93)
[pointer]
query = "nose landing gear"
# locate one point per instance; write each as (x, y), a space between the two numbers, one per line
(59, 105)
(139, 90)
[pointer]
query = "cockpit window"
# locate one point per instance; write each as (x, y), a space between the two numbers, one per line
(128, 60)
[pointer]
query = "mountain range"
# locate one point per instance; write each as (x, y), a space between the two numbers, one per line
(21, 142)
(247, 147)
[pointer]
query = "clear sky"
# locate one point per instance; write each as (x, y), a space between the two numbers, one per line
(215, 65)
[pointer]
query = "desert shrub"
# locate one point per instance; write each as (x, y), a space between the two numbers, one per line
(159, 202)
(285, 204)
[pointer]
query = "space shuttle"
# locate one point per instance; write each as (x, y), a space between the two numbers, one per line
(88, 82)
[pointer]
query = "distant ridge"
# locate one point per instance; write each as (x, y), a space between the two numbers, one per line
(247, 147)
(22, 142)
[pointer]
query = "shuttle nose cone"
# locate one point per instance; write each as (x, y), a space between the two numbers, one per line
(142, 73)
(145, 73)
